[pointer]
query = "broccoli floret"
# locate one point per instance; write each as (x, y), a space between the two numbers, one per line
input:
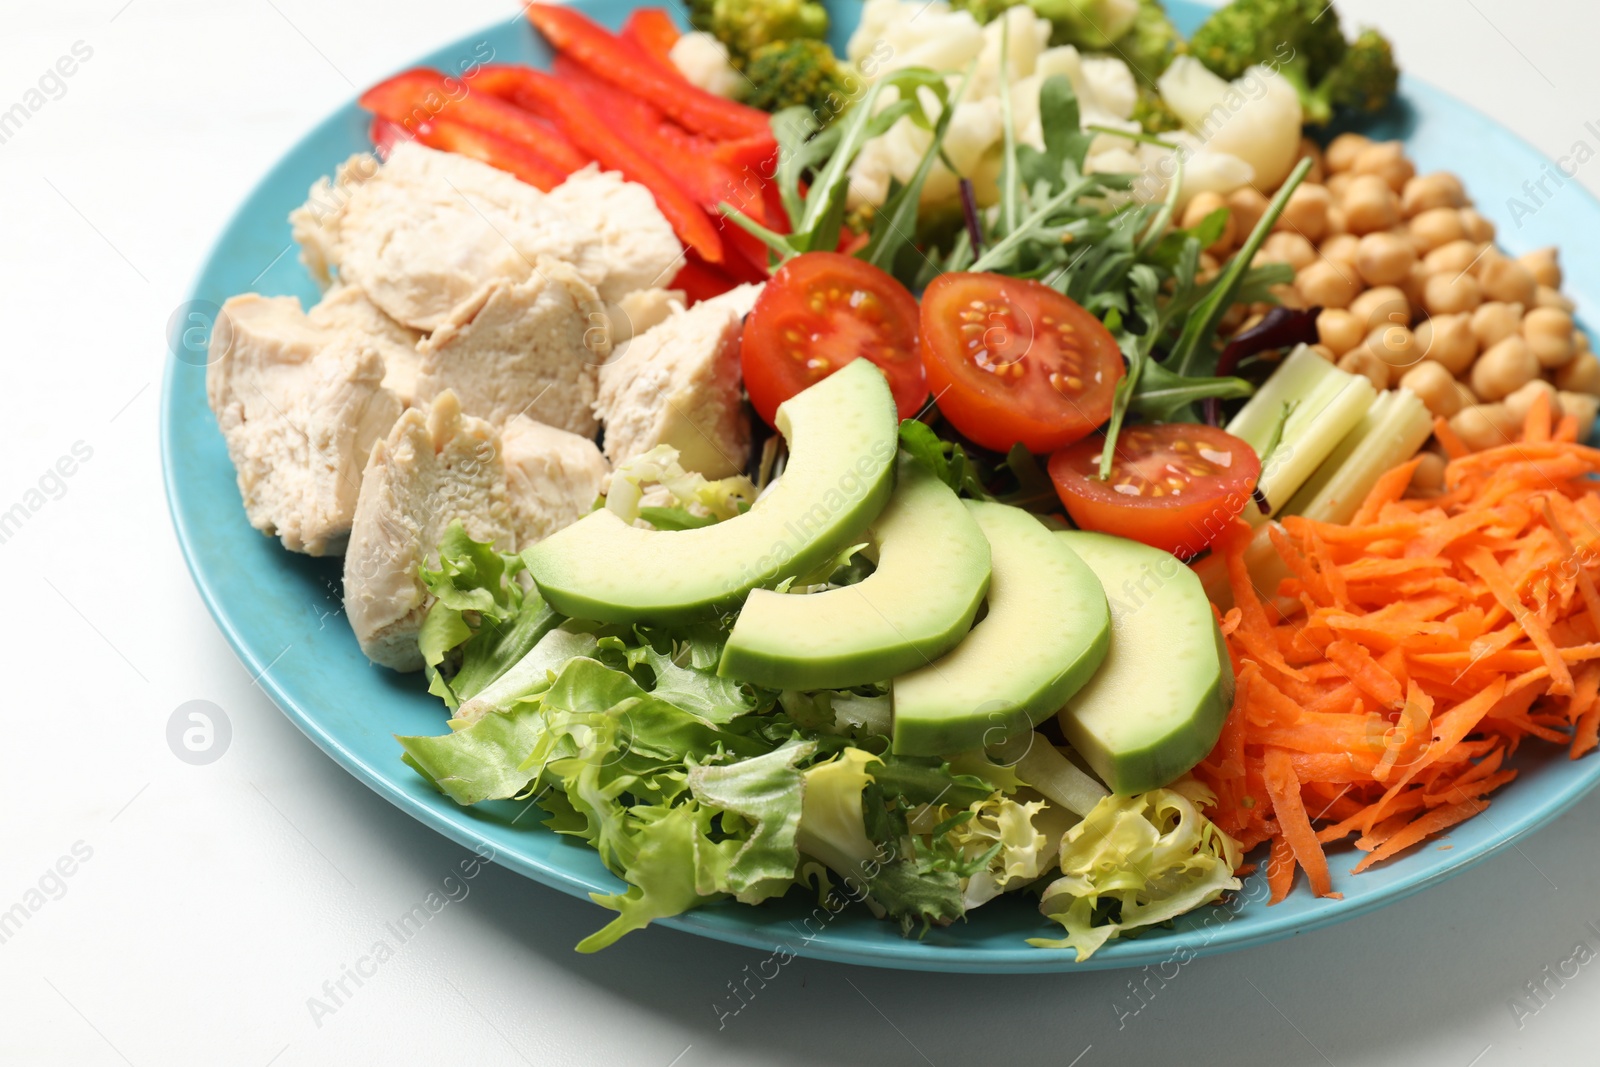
(799, 72)
(1303, 41)
(1368, 77)
(746, 25)
(1152, 113)
(1150, 44)
(1090, 24)
(985, 11)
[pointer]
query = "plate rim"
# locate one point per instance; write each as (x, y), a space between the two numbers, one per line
(1261, 928)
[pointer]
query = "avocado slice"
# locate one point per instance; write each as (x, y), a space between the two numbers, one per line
(932, 574)
(1157, 705)
(1045, 633)
(842, 435)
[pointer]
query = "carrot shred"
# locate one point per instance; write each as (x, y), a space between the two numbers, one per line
(1428, 640)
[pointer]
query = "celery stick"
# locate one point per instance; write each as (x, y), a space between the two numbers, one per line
(1391, 432)
(1328, 404)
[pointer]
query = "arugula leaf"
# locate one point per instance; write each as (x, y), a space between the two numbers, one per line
(947, 460)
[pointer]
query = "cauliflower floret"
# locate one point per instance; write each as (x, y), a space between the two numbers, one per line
(893, 35)
(1256, 118)
(703, 60)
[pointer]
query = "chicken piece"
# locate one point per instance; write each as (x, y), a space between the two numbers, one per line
(300, 406)
(678, 384)
(552, 478)
(433, 468)
(427, 231)
(530, 347)
(640, 310)
(346, 307)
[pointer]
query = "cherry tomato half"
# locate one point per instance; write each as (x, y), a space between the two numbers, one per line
(820, 311)
(1015, 362)
(1174, 486)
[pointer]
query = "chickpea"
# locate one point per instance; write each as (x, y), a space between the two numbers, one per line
(1383, 306)
(1386, 160)
(1452, 258)
(1384, 258)
(1366, 363)
(1448, 341)
(1580, 375)
(1342, 151)
(1203, 206)
(1289, 248)
(1583, 407)
(1328, 284)
(1436, 228)
(1464, 391)
(1322, 350)
(1416, 284)
(1288, 296)
(1309, 149)
(1246, 206)
(1478, 228)
(1446, 294)
(1396, 345)
(1494, 322)
(1484, 426)
(1370, 205)
(1339, 184)
(1434, 387)
(1339, 331)
(1548, 332)
(1580, 340)
(1428, 478)
(1207, 264)
(1306, 212)
(1337, 222)
(1544, 265)
(1507, 280)
(1504, 369)
(1343, 247)
(1546, 297)
(1429, 192)
(1521, 402)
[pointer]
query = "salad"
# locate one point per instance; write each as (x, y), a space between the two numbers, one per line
(1025, 454)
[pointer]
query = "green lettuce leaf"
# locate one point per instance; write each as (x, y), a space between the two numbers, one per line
(1135, 862)
(671, 857)
(764, 792)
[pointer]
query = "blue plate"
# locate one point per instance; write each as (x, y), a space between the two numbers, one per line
(281, 611)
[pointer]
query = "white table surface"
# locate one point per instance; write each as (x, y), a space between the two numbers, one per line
(216, 900)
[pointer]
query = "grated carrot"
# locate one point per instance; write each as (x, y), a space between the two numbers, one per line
(1431, 638)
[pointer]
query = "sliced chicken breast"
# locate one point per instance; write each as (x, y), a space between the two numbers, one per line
(434, 468)
(677, 383)
(300, 406)
(348, 308)
(553, 478)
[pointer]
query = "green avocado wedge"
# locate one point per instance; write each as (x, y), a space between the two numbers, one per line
(842, 437)
(1045, 634)
(931, 577)
(1157, 704)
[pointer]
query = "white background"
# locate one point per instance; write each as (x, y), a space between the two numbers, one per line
(218, 899)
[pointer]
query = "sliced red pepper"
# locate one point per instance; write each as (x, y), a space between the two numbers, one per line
(618, 62)
(699, 280)
(652, 31)
(448, 135)
(424, 96)
(592, 133)
(695, 169)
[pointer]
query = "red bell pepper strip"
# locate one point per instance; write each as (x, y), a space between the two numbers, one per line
(652, 31)
(423, 96)
(619, 63)
(448, 135)
(587, 128)
(694, 168)
(699, 280)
